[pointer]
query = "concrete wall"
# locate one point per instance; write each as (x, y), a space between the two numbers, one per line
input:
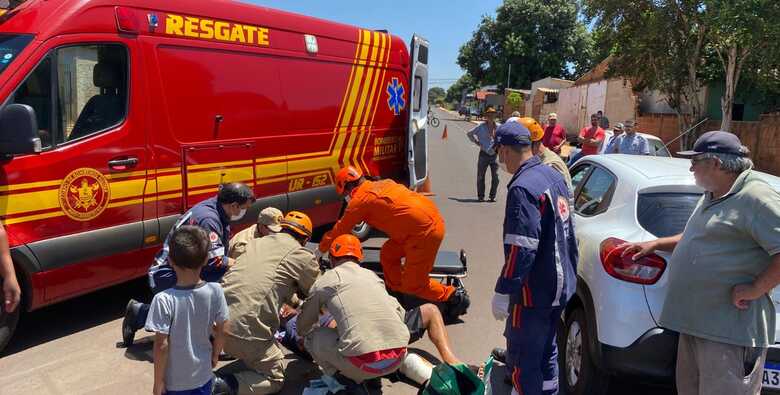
(569, 109)
(620, 101)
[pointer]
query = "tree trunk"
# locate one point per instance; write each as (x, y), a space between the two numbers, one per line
(727, 100)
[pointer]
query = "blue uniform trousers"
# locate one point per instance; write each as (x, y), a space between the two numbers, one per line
(532, 351)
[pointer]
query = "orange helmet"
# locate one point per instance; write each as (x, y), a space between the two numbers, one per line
(297, 222)
(346, 175)
(346, 245)
(536, 130)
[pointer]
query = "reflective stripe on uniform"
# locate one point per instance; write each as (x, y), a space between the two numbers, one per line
(558, 266)
(522, 241)
(549, 385)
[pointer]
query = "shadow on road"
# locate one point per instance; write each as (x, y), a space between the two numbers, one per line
(469, 200)
(75, 315)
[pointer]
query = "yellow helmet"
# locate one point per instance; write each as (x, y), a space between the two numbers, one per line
(297, 222)
(537, 133)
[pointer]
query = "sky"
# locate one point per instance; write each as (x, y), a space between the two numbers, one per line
(446, 24)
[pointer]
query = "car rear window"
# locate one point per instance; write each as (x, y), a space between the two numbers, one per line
(665, 214)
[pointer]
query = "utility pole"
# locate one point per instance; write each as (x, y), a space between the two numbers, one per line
(508, 74)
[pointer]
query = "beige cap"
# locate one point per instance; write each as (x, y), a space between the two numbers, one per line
(552, 116)
(271, 217)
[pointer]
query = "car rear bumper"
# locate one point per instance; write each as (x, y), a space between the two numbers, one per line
(651, 357)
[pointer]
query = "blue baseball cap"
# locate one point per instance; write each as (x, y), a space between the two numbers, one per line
(513, 133)
(717, 142)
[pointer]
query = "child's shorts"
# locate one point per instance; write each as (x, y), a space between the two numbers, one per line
(205, 389)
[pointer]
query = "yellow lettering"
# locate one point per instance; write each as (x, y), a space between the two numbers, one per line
(262, 36)
(237, 34)
(206, 28)
(189, 25)
(250, 33)
(222, 31)
(173, 25)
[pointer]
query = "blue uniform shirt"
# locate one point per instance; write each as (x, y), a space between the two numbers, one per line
(540, 249)
(210, 216)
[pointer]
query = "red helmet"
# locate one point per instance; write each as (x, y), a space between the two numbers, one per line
(346, 175)
(346, 245)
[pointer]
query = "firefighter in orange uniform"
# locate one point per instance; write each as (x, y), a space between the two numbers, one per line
(415, 229)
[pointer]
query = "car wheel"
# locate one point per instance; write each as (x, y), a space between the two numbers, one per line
(579, 376)
(8, 323)
(361, 231)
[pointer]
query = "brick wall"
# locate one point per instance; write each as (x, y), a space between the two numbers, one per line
(762, 137)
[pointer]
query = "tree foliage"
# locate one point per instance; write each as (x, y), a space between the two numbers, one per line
(436, 95)
(466, 83)
(538, 38)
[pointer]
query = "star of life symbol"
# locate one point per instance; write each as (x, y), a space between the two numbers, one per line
(395, 99)
(563, 208)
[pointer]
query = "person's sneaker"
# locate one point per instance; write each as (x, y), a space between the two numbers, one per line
(223, 356)
(499, 354)
(458, 304)
(128, 330)
(480, 199)
(492, 200)
(224, 385)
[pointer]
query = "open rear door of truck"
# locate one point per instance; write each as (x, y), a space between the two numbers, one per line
(417, 146)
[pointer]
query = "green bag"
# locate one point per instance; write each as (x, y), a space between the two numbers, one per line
(457, 380)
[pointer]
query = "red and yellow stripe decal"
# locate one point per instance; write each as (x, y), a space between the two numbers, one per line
(39, 200)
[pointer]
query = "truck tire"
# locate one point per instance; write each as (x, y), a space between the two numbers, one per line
(578, 374)
(8, 322)
(361, 231)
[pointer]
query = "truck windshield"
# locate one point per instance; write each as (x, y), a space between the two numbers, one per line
(10, 46)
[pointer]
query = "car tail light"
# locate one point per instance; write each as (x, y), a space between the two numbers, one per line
(646, 270)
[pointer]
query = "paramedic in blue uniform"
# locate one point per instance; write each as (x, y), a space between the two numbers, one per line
(538, 276)
(214, 216)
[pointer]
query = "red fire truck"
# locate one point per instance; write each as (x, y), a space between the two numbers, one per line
(118, 115)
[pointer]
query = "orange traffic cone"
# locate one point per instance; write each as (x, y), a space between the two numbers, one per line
(425, 188)
(444, 135)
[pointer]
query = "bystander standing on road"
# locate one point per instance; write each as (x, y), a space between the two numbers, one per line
(590, 138)
(554, 134)
(603, 120)
(484, 137)
(183, 319)
(630, 143)
(722, 268)
(609, 145)
(11, 291)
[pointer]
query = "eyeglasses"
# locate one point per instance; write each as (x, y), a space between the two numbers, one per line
(694, 161)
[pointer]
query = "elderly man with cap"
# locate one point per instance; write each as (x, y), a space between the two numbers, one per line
(629, 143)
(268, 222)
(554, 134)
(484, 137)
(539, 272)
(548, 157)
(723, 267)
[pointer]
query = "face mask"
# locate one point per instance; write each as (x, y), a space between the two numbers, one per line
(239, 215)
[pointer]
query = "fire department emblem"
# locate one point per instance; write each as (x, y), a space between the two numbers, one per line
(84, 194)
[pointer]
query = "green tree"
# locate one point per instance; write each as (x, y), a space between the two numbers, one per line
(742, 30)
(656, 44)
(436, 94)
(465, 83)
(536, 38)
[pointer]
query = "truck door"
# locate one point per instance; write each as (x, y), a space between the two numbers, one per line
(79, 203)
(417, 152)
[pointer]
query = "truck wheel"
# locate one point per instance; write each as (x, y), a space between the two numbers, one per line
(361, 231)
(579, 376)
(8, 323)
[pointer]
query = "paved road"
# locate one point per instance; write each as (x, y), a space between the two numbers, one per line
(71, 348)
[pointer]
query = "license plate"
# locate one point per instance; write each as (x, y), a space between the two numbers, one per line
(771, 375)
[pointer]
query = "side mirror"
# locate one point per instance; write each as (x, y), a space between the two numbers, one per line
(18, 130)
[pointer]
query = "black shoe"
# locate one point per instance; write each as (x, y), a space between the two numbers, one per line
(492, 200)
(224, 385)
(128, 330)
(480, 199)
(223, 356)
(458, 304)
(499, 354)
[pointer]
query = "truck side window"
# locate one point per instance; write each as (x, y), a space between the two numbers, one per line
(91, 87)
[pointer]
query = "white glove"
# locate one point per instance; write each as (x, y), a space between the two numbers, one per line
(500, 306)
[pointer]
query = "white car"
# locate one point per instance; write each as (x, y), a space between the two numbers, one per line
(656, 145)
(611, 325)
